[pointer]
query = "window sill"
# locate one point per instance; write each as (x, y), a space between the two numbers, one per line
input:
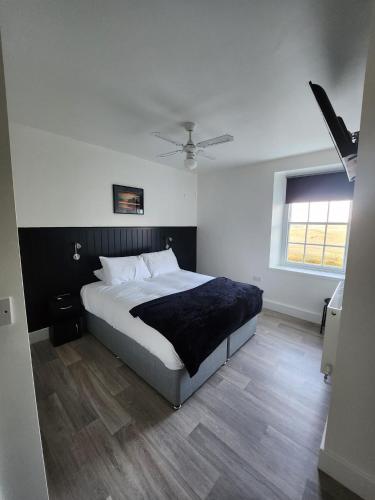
(311, 272)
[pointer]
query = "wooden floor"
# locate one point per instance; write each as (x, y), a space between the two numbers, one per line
(251, 432)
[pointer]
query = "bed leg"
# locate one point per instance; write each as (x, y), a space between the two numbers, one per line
(176, 407)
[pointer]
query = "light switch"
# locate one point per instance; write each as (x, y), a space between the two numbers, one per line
(5, 312)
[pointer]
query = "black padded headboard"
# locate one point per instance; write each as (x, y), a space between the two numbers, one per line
(48, 267)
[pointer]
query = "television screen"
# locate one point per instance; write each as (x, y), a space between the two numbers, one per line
(346, 145)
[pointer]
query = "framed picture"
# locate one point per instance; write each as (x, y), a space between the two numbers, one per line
(127, 200)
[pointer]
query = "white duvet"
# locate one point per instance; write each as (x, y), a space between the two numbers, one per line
(113, 303)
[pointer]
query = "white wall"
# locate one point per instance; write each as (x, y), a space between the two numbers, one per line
(63, 182)
(234, 232)
(22, 473)
(349, 451)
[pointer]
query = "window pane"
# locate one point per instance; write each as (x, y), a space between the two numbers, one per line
(334, 256)
(315, 234)
(297, 233)
(336, 234)
(299, 212)
(313, 254)
(295, 252)
(318, 211)
(339, 211)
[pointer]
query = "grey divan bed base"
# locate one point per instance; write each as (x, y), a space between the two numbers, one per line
(174, 385)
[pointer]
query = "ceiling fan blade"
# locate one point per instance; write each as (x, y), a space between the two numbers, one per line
(170, 153)
(201, 152)
(157, 134)
(215, 140)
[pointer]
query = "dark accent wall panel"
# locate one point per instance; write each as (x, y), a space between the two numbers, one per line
(48, 267)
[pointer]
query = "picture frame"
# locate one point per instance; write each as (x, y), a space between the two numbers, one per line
(128, 200)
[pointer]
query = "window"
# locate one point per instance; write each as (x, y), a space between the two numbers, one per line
(316, 234)
(311, 214)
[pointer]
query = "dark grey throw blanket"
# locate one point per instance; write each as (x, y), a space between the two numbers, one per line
(198, 320)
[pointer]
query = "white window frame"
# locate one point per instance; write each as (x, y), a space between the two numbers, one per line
(312, 267)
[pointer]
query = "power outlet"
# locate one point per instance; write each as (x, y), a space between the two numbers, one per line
(257, 279)
(5, 312)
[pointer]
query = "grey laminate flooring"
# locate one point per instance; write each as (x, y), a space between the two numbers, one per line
(251, 432)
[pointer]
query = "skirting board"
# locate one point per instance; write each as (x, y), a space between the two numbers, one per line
(39, 335)
(293, 311)
(349, 475)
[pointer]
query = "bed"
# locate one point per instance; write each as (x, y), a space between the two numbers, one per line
(144, 349)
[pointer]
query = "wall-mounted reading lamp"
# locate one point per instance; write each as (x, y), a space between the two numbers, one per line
(168, 242)
(77, 246)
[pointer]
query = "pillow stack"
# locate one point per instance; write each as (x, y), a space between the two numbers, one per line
(118, 270)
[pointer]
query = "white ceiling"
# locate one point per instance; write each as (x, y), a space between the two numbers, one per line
(110, 72)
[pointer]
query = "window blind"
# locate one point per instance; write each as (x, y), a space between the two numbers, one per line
(319, 187)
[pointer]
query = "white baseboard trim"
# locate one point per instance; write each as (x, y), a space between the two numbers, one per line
(356, 480)
(293, 311)
(39, 335)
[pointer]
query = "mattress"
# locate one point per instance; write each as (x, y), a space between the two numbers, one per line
(113, 303)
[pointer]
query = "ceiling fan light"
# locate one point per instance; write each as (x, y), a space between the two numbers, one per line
(190, 163)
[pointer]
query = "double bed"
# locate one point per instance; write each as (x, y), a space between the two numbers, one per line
(146, 351)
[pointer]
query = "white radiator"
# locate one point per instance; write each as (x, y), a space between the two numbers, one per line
(331, 332)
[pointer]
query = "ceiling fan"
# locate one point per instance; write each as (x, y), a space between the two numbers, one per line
(191, 149)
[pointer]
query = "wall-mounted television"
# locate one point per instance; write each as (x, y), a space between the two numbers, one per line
(346, 143)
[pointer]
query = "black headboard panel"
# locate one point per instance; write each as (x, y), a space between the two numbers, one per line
(48, 267)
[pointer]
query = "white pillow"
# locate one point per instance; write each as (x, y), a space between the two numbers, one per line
(120, 269)
(161, 262)
(99, 273)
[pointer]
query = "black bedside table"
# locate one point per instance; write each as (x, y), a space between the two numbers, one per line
(66, 317)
